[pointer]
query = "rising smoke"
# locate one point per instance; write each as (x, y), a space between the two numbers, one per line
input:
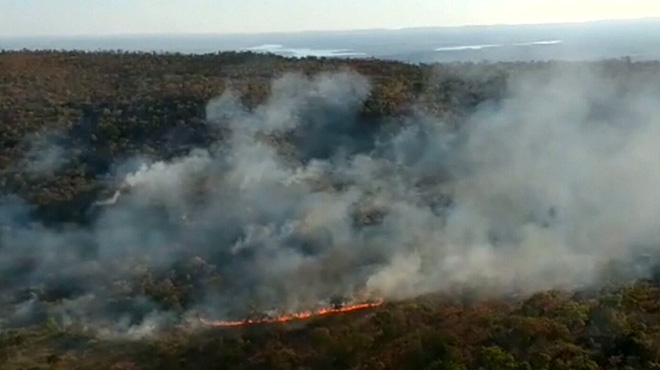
(301, 203)
(46, 154)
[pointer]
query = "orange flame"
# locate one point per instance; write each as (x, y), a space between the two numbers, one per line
(293, 316)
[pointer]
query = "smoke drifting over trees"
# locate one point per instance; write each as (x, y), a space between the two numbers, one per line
(304, 199)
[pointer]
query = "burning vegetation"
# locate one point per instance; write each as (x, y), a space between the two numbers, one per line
(298, 316)
(147, 188)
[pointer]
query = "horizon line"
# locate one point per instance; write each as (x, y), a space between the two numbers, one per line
(353, 30)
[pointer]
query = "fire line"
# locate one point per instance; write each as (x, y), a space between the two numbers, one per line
(293, 316)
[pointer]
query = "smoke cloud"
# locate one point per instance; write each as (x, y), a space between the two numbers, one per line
(46, 154)
(303, 202)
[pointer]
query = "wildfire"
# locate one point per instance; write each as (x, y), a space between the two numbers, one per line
(293, 316)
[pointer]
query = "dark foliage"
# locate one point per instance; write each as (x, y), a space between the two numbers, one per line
(112, 106)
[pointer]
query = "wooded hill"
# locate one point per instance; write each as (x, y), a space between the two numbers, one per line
(105, 107)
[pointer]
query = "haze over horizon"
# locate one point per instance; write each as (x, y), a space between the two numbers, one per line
(33, 18)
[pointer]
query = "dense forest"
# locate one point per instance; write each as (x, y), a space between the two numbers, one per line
(609, 329)
(115, 105)
(68, 118)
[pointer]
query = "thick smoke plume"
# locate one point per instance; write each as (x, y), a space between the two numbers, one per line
(303, 202)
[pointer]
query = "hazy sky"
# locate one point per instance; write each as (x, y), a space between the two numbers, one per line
(76, 17)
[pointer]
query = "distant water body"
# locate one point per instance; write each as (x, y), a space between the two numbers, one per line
(304, 52)
(489, 46)
(467, 47)
(540, 43)
(637, 39)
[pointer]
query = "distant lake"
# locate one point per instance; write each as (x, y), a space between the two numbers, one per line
(303, 52)
(637, 39)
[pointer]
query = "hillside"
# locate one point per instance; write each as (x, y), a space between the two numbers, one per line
(609, 329)
(111, 106)
(504, 213)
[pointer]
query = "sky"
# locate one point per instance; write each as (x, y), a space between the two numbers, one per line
(108, 17)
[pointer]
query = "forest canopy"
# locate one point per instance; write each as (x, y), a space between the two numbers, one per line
(141, 189)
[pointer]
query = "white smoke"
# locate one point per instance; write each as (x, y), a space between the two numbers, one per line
(548, 188)
(45, 155)
(554, 184)
(544, 189)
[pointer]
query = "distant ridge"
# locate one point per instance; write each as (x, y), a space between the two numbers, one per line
(638, 39)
